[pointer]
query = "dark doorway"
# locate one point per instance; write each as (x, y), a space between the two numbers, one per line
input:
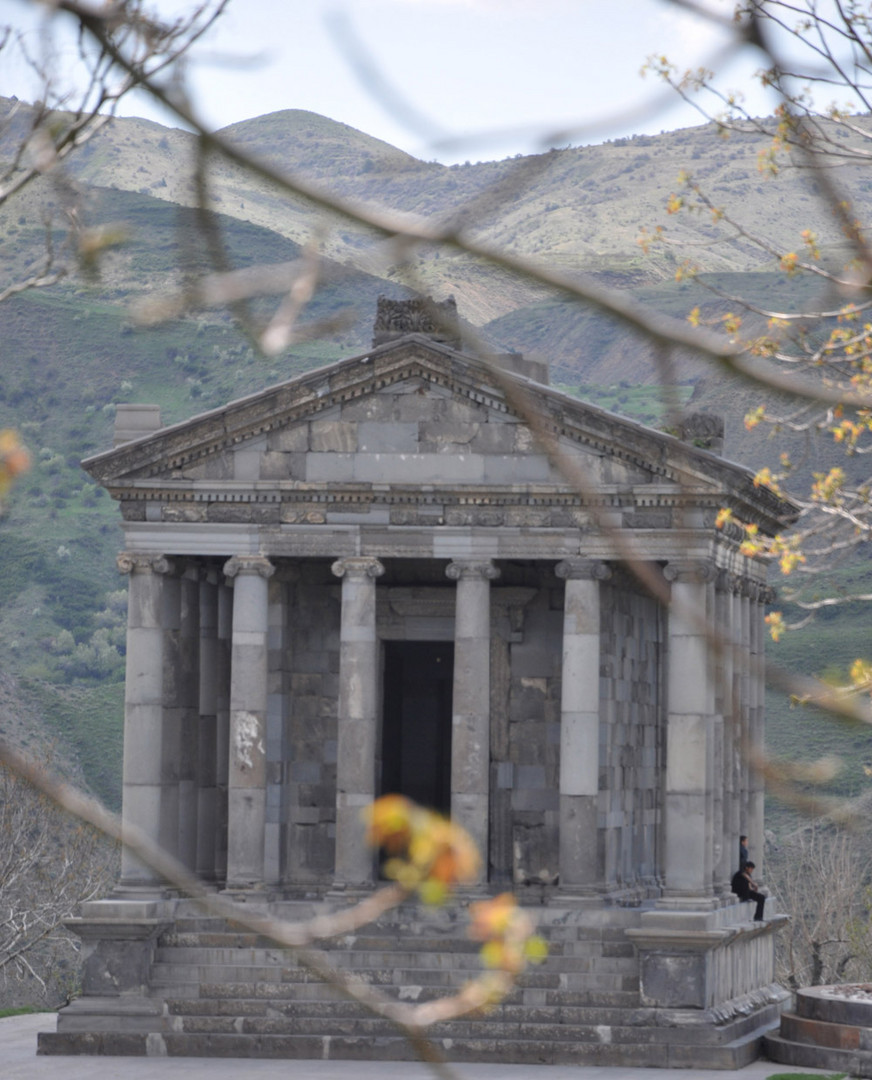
(416, 739)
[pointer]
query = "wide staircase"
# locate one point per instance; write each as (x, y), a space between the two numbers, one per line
(221, 991)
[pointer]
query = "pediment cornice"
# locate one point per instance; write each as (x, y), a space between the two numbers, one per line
(148, 467)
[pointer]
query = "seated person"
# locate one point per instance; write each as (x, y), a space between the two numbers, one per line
(745, 889)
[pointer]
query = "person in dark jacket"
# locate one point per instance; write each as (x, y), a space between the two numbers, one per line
(743, 852)
(744, 887)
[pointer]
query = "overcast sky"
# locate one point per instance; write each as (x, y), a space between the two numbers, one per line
(463, 69)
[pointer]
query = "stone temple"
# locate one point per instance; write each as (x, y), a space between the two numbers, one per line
(377, 577)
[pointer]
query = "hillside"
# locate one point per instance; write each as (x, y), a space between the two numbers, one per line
(71, 352)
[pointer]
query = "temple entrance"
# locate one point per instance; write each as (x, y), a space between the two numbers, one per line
(416, 732)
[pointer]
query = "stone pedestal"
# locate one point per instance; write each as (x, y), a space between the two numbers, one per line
(705, 960)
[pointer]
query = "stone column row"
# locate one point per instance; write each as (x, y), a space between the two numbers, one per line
(195, 744)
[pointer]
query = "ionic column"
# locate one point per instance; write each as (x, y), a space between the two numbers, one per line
(580, 723)
(357, 720)
(246, 782)
(690, 737)
(470, 709)
(143, 806)
(207, 742)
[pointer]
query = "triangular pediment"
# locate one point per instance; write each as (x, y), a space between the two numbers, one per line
(412, 414)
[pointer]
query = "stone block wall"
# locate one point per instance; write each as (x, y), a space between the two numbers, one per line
(632, 740)
(532, 765)
(312, 677)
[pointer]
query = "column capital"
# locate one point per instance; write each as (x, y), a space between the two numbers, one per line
(472, 568)
(249, 564)
(130, 562)
(358, 566)
(694, 572)
(585, 569)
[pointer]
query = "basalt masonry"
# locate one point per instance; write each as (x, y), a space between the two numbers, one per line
(376, 577)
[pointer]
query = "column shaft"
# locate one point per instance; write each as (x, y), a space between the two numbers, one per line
(580, 863)
(276, 730)
(357, 720)
(690, 740)
(171, 742)
(470, 719)
(246, 794)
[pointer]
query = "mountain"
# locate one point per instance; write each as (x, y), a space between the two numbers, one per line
(72, 351)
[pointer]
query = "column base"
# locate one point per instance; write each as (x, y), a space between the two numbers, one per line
(142, 891)
(688, 902)
(579, 895)
(247, 893)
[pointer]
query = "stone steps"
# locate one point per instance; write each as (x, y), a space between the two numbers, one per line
(218, 990)
(318, 992)
(831, 1028)
(468, 963)
(233, 993)
(369, 1028)
(733, 1054)
(239, 994)
(168, 975)
(341, 1008)
(788, 1052)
